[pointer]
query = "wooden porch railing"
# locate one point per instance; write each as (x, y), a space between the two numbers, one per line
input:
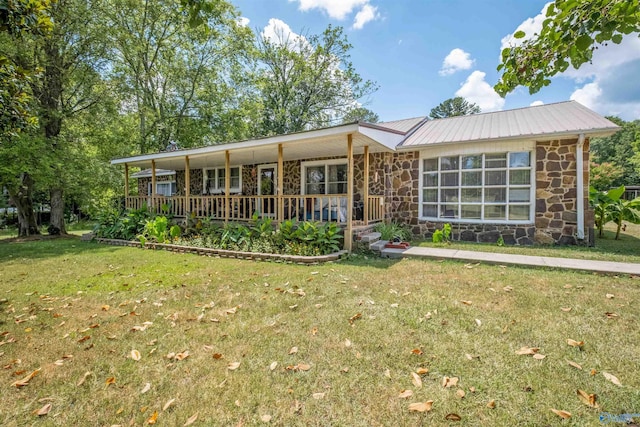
(316, 207)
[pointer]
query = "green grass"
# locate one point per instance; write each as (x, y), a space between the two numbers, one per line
(626, 249)
(57, 292)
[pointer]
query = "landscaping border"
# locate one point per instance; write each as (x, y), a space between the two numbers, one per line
(224, 253)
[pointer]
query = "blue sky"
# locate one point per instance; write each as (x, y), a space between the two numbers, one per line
(421, 52)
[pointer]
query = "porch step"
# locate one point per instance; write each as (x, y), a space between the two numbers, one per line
(370, 237)
(392, 253)
(378, 246)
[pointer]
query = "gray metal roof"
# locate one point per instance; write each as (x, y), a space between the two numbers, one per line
(549, 120)
(404, 125)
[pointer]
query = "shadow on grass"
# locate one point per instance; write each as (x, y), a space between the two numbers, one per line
(12, 249)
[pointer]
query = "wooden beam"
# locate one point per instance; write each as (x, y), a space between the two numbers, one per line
(365, 186)
(153, 184)
(280, 187)
(126, 182)
(227, 186)
(187, 186)
(348, 234)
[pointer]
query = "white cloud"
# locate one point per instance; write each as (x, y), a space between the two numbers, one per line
(536, 103)
(530, 27)
(278, 31)
(588, 95)
(243, 21)
(456, 60)
(337, 9)
(367, 13)
(475, 89)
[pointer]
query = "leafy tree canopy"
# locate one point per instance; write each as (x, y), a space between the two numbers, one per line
(360, 114)
(571, 32)
(452, 107)
(617, 157)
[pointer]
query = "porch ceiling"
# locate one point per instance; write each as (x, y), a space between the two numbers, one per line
(305, 145)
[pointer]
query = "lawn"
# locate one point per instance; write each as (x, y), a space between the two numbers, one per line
(233, 342)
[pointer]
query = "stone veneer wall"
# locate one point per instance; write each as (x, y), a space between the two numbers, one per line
(556, 194)
(555, 218)
(196, 179)
(143, 183)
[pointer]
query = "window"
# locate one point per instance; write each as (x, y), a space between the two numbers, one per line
(163, 188)
(215, 180)
(328, 177)
(492, 187)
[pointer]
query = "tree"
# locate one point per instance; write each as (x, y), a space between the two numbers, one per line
(620, 151)
(306, 82)
(571, 32)
(18, 18)
(360, 114)
(179, 80)
(453, 107)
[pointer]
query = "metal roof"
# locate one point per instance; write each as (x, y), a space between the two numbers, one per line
(404, 125)
(548, 121)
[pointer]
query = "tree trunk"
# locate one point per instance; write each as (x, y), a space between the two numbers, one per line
(22, 198)
(56, 225)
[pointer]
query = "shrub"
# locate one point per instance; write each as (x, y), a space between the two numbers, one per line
(442, 235)
(393, 231)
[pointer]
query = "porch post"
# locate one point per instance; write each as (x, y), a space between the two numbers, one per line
(227, 186)
(365, 185)
(348, 234)
(153, 184)
(280, 196)
(126, 183)
(187, 187)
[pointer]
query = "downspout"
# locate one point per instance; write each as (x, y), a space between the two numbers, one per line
(580, 185)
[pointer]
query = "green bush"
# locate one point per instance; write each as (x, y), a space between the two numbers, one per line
(393, 231)
(442, 235)
(158, 230)
(114, 224)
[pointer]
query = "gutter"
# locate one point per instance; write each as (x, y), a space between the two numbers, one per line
(580, 185)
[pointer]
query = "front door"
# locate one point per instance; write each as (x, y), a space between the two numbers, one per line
(267, 184)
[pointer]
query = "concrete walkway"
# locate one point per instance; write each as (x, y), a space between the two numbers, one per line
(508, 259)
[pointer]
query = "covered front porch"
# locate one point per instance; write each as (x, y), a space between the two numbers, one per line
(333, 174)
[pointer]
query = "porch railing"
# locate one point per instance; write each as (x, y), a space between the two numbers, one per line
(316, 207)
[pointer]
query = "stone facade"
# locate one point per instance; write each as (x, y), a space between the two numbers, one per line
(196, 179)
(143, 183)
(556, 194)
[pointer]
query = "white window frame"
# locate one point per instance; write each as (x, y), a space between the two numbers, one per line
(325, 163)
(273, 166)
(172, 187)
(216, 172)
(434, 155)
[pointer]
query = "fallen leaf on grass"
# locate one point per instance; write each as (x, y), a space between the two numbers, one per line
(168, 404)
(233, 366)
(83, 378)
(110, 380)
(539, 356)
(318, 396)
(265, 418)
(387, 373)
(610, 315)
(610, 296)
(612, 378)
(24, 381)
(574, 343)
(416, 380)
(565, 309)
(135, 355)
(449, 382)
(422, 371)
(561, 414)
(347, 343)
(182, 356)
(491, 404)
(587, 399)
(466, 302)
(527, 351)
(105, 307)
(293, 350)
(85, 338)
(460, 393)
(574, 364)
(304, 367)
(146, 388)
(421, 407)
(192, 419)
(453, 417)
(478, 322)
(273, 366)
(217, 356)
(471, 356)
(44, 410)
(416, 351)
(153, 418)
(593, 372)
(355, 317)
(405, 393)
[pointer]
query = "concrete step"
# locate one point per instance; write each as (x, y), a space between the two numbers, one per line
(392, 253)
(378, 246)
(370, 237)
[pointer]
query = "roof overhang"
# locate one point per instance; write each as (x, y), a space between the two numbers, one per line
(319, 143)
